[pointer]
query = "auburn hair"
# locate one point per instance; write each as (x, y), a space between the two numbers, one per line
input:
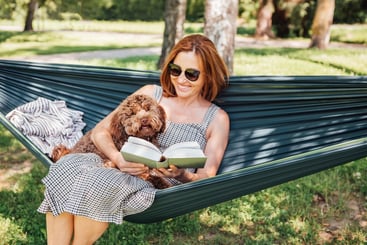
(215, 70)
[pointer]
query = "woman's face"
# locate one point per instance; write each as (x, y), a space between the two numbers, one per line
(189, 63)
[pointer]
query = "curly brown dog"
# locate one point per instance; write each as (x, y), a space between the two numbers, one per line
(139, 116)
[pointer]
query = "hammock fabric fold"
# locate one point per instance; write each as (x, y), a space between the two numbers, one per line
(282, 127)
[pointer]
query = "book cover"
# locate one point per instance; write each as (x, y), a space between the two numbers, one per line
(182, 155)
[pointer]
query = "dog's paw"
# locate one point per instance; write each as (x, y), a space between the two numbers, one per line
(109, 164)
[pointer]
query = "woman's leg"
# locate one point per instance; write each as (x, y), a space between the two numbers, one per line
(87, 231)
(59, 228)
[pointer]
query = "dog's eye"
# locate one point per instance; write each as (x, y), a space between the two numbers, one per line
(146, 106)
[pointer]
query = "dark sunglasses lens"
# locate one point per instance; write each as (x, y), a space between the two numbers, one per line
(192, 74)
(175, 70)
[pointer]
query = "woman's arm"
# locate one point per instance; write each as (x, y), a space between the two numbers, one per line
(101, 137)
(217, 140)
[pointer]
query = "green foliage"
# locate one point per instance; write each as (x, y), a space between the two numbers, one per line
(133, 10)
(7, 8)
(293, 19)
(301, 19)
(246, 30)
(18, 215)
(195, 10)
(157, 233)
(4, 35)
(350, 11)
(70, 16)
(10, 149)
(247, 10)
(10, 232)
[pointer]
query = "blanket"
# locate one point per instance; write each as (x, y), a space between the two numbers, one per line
(48, 123)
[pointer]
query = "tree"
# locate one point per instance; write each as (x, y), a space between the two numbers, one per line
(170, 23)
(220, 26)
(264, 20)
(321, 25)
(181, 18)
(32, 7)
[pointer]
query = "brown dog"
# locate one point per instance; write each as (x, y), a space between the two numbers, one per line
(137, 115)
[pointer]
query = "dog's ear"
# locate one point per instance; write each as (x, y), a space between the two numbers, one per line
(58, 152)
(117, 123)
(163, 118)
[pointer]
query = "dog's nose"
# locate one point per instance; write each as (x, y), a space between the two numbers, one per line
(144, 121)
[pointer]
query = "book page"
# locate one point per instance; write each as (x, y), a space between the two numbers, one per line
(184, 149)
(184, 154)
(145, 143)
(141, 150)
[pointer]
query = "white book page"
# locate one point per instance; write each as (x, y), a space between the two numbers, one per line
(141, 150)
(184, 149)
(143, 142)
(185, 153)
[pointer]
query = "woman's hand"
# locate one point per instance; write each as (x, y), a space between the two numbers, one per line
(129, 167)
(174, 172)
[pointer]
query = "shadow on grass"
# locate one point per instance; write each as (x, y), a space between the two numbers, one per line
(55, 50)
(5, 35)
(20, 206)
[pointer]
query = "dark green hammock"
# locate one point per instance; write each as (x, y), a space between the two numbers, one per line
(282, 127)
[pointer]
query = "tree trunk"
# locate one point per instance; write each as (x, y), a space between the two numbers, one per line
(264, 20)
(181, 18)
(220, 26)
(170, 24)
(32, 7)
(321, 25)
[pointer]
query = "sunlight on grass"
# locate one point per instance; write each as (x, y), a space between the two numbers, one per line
(10, 232)
(29, 44)
(144, 63)
(349, 33)
(248, 64)
(283, 61)
(353, 61)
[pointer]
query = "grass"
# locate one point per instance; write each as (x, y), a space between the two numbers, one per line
(34, 43)
(289, 61)
(271, 61)
(325, 208)
(349, 33)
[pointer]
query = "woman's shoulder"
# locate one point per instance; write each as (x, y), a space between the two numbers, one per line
(221, 117)
(146, 89)
(150, 90)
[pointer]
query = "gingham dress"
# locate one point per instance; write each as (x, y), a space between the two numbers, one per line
(80, 185)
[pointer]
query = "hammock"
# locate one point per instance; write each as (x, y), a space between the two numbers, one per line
(282, 127)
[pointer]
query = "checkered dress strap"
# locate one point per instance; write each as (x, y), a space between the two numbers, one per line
(210, 114)
(158, 92)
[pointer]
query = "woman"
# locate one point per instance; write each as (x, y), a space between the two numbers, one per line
(191, 78)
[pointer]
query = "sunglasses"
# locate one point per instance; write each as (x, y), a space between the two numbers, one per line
(191, 74)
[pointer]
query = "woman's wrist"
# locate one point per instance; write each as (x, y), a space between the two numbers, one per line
(117, 159)
(185, 176)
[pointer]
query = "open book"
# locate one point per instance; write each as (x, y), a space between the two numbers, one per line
(182, 155)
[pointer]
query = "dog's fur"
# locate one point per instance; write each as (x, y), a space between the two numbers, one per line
(137, 115)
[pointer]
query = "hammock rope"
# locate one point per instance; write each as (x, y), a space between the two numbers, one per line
(282, 127)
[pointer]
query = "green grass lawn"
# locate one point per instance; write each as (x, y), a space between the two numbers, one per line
(325, 208)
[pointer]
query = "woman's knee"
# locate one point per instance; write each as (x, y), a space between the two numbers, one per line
(87, 231)
(59, 228)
